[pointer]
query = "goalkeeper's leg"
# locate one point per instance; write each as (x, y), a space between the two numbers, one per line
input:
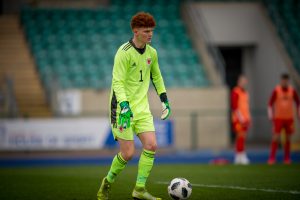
(118, 164)
(146, 161)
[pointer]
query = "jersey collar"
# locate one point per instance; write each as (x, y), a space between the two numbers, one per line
(141, 51)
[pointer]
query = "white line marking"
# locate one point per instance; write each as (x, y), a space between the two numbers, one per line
(238, 188)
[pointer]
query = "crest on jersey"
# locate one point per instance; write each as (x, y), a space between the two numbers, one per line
(149, 61)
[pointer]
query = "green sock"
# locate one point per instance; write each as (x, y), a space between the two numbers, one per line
(118, 164)
(145, 166)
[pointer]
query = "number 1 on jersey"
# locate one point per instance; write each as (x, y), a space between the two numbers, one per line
(141, 72)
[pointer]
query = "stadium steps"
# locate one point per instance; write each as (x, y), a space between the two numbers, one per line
(16, 61)
(194, 25)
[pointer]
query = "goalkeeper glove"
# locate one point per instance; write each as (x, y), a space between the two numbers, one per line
(166, 110)
(125, 115)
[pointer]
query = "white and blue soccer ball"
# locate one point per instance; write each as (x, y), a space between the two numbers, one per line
(179, 189)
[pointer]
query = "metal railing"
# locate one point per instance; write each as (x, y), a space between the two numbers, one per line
(8, 102)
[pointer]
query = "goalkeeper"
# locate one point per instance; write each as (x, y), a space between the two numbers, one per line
(135, 64)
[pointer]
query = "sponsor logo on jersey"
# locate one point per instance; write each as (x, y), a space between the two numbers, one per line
(133, 65)
(149, 61)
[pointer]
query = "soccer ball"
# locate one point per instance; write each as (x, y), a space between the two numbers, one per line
(180, 188)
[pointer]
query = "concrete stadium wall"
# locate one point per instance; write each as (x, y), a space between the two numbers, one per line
(264, 58)
(200, 115)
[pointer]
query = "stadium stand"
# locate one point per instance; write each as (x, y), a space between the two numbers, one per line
(76, 46)
(286, 17)
(17, 64)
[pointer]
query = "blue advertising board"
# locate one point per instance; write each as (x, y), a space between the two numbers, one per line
(164, 135)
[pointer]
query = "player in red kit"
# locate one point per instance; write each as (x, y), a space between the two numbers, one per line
(241, 119)
(281, 113)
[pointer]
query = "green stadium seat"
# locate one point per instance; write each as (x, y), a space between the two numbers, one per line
(78, 45)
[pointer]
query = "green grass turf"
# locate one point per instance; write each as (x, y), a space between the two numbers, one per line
(82, 182)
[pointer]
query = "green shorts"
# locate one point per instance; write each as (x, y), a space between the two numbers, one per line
(136, 127)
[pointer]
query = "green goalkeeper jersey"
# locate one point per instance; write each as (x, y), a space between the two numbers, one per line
(133, 69)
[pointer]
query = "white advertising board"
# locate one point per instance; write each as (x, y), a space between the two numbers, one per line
(56, 134)
(68, 134)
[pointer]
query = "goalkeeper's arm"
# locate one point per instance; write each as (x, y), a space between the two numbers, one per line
(119, 76)
(159, 85)
(118, 80)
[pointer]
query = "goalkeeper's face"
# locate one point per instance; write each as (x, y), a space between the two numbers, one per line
(144, 35)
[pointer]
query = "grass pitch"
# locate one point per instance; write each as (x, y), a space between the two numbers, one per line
(209, 182)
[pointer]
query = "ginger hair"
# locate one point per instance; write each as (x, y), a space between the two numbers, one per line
(142, 20)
